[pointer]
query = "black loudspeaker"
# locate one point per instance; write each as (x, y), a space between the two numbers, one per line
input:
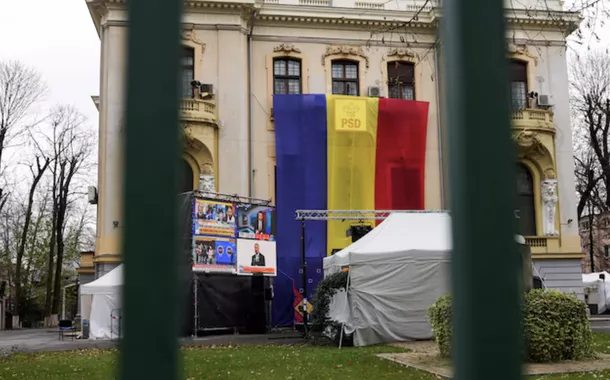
(257, 316)
(359, 231)
(537, 283)
(2, 289)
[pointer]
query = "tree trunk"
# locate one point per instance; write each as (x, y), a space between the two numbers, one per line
(49, 290)
(24, 233)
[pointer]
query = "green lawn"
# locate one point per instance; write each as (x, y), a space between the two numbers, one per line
(246, 362)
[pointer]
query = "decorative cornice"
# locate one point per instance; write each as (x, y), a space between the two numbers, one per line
(286, 48)
(345, 51)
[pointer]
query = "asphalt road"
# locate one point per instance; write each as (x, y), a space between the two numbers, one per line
(601, 325)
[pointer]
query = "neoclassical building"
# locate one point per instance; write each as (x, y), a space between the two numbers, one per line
(244, 51)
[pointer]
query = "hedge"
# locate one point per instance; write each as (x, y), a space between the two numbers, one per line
(555, 326)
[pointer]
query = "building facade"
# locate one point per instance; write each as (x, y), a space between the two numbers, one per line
(244, 51)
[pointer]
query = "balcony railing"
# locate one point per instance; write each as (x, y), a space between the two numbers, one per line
(198, 110)
(543, 244)
(533, 118)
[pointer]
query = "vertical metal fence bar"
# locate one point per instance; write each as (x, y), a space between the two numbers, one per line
(150, 346)
(482, 196)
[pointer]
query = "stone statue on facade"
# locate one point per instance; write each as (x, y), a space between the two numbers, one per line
(206, 183)
(549, 206)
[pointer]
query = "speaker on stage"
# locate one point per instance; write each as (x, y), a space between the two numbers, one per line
(257, 316)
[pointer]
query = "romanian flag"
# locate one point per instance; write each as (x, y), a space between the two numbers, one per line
(342, 153)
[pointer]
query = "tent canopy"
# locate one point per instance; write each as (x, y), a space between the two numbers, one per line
(107, 284)
(398, 233)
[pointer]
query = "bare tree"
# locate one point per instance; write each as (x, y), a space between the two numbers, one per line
(20, 88)
(71, 146)
(37, 170)
(590, 102)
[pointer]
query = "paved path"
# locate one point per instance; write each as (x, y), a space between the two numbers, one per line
(36, 340)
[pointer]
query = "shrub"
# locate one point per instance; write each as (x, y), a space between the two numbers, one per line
(439, 315)
(320, 301)
(555, 326)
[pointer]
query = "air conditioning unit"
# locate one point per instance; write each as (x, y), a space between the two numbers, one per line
(544, 100)
(207, 89)
(92, 195)
(375, 92)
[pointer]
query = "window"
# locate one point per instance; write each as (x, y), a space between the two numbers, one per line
(607, 250)
(286, 76)
(187, 177)
(188, 72)
(525, 201)
(401, 80)
(518, 84)
(345, 78)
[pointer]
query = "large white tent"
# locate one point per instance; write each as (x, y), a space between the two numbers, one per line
(396, 272)
(100, 302)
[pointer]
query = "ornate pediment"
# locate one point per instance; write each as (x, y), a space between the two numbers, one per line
(401, 53)
(346, 51)
(286, 49)
(190, 35)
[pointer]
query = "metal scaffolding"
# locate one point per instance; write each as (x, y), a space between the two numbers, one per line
(356, 214)
(212, 195)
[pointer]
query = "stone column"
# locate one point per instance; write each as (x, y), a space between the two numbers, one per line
(549, 206)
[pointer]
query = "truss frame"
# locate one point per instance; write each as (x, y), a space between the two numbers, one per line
(357, 214)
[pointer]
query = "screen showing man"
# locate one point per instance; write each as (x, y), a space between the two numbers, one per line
(256, 222)
(258, 259)
(230, 215)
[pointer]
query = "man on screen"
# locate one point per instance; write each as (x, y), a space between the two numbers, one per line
(260, 223)
(230, 215)
(258, 260)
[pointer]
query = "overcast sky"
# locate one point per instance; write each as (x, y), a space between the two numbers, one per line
(56, 37)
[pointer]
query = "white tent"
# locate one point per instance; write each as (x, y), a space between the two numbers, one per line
(592, 280)
(396, 272)
(100, 302)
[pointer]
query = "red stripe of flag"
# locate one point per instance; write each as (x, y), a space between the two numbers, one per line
(401, 155)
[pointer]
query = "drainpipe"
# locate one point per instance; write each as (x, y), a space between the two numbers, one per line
(439, 124)
(250, 157)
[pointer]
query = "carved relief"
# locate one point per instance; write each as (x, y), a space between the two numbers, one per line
(550, 174)
(401, 53)
(514, 49)
(190, 35)
(188, 139)
(286, 49)
(528, 142)
(345, 50)
(207, 168)
(206, 183)
(549, 206)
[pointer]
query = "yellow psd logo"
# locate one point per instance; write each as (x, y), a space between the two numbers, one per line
(350, 115)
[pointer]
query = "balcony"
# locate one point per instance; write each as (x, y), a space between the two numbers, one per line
(533, 119)
(543, 244)
(198, 110)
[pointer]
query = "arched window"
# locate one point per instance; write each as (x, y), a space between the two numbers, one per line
(525, 201)
(401, 80)
(345, 78)
(186, 181)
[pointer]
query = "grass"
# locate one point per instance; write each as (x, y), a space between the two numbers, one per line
(246, 362)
